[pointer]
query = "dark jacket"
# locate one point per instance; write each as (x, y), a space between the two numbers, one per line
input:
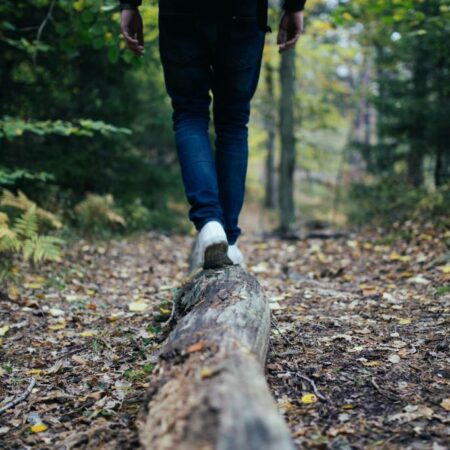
(239, 8)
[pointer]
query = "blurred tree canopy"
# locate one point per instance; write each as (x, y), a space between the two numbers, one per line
(70, 97)
(81, 115)
(407, 43)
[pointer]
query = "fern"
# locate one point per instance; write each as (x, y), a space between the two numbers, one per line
(26, 226)
(23, 239)
(42, 248)
(23, 203)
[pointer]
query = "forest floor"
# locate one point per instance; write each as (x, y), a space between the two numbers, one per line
(361, 320)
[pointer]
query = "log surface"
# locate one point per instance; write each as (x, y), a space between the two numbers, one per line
(209, 391)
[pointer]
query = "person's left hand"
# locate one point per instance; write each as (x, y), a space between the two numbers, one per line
(290, 30)
(133, 30)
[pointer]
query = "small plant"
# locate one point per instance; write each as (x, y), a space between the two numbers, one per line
(97, 214)
(24, 238)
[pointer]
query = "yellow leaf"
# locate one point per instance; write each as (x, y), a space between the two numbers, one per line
(347, 406)
(89, 333)
(35, 371)
(446, 404)
(309, 398)
(12, 293)
(57, 326)
(38, 428)
(372, 363)
(33, 285)
(394, 256)
(165, 312)
(404, 321)
(206, 372)
(445, 269)
(4, 329)
(139, 305)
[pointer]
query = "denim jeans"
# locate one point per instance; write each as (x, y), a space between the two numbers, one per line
(219, 56)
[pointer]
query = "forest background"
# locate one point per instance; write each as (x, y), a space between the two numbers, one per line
(352, 129)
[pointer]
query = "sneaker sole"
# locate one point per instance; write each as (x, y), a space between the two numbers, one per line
(216, 256)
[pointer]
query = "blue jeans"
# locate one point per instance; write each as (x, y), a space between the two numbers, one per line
(221, 55)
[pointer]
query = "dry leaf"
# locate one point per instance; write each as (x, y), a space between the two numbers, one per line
(39, 428)
(196, 347)
(446, 404)
(139, 305)
(394, 359)
(309, 398)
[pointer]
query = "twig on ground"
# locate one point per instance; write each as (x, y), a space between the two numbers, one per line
(274, 324)
(385, 394)
(313, 385)
(71, 352)
(20, 398)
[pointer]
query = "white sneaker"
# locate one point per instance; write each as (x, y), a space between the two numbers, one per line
(236, 256)
(210, 248)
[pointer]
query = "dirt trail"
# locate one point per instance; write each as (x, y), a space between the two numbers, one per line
(363, 321)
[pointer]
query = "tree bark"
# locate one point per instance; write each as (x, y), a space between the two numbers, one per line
(270, 125)
(287, 163)
(209, 390)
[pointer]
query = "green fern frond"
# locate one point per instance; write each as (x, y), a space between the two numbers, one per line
(26, 226)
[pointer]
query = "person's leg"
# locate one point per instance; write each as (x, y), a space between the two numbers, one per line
(235, 78)
(187, 75)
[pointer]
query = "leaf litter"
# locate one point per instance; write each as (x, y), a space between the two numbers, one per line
(359, 354)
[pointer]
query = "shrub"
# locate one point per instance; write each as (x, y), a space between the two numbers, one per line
(96, 214)
(389, 201)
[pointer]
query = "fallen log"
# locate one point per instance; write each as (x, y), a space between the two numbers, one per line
(209, 390)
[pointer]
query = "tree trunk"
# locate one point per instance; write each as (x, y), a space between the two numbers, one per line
(209, 390)
(287, 163)
(270, 125)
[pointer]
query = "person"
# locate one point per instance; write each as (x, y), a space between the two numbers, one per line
(212, 47)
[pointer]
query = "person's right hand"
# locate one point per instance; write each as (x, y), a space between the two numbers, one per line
(290, 30)
(133, 30)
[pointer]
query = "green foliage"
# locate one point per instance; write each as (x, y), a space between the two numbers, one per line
(388, 201)
(11, 128)
(24, 238)
(76, 66)
(406, 43)
(12, 176)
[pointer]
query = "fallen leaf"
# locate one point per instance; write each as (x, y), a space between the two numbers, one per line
(394, 359)
(196, 347)
(58, 326)
(78, 360)
(445, 269)
(371, 363)
(139, 305)
(206, 372)
(39, 428)
(3, 330)
(309, 398)
(56, 312)
(446, 404)
(404, 321)
(89, 333)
